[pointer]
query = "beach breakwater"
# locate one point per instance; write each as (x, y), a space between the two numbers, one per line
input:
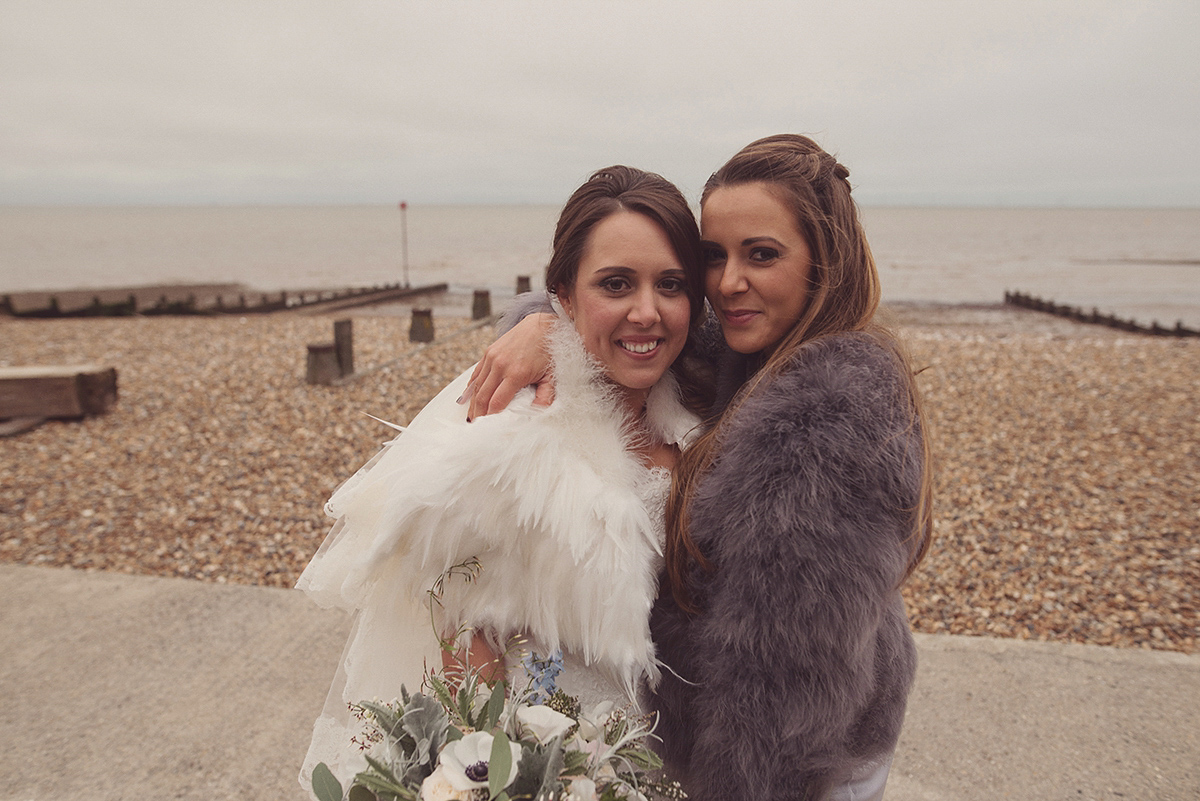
(189, 300)
(1094, 317)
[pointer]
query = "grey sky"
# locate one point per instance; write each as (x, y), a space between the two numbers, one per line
(1077, 102)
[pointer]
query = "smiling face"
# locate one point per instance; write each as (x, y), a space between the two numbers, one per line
(629, 302)
(757, 265)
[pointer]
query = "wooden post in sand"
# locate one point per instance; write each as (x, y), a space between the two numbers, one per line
(57, 391)
(523, 284)
(343, 340)
(481, 304)
(329, 361)
(421, 329)
(322, 368)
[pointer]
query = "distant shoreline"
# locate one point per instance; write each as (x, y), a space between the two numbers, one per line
(993, 318)
(207, 294)
(203, 295)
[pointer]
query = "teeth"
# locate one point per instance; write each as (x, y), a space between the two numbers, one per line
(642, 347)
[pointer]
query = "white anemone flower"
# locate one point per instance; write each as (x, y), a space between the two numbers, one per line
(466, 761)
(581, 789)
(543, 722)
(593, 720)
(437, 788)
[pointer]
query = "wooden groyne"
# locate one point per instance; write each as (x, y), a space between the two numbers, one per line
(1094, 317)
(241, 304)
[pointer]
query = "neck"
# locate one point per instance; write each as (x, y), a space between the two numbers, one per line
(634, 401)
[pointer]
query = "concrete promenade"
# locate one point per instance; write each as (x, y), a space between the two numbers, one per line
(131, 687)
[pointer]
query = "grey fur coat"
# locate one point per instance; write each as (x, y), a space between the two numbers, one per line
(798, 667)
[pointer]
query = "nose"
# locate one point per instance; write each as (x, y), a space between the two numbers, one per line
(644, 309)
(733, 279)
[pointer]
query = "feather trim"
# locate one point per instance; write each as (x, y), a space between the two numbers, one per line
(549, 500)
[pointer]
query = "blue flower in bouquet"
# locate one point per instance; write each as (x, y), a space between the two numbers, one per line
(543, 674)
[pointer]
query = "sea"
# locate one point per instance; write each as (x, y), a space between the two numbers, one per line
(1136, 263)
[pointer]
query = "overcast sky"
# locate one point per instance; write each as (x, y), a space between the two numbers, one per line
(1055, 102)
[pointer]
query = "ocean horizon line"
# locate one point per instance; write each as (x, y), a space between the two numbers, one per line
(225, 206)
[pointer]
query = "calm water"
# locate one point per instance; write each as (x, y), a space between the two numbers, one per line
(1142, 263)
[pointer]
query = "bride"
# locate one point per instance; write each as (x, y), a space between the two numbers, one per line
(561, 506)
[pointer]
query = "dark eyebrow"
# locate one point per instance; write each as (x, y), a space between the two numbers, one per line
(754, 240)
(618, 269)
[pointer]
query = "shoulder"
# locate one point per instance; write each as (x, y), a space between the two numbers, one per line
(840, 362)
(836, 379)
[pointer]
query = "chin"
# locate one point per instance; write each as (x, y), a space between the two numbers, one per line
(739, 343)
(637, 385)
(639, 380)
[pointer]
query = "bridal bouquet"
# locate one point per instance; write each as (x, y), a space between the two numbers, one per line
(466, 741)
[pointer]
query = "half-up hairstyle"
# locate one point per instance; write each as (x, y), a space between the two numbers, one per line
(842, 296)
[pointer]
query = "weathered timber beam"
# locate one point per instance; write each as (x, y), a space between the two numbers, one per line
(57, 390)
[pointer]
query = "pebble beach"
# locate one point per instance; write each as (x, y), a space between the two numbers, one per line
(1068, 459)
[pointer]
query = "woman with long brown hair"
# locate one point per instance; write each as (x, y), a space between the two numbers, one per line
(796, 517)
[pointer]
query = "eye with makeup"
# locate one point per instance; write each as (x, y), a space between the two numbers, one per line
(714, 256)
(614, 284)
(671, 285)
(762, 254)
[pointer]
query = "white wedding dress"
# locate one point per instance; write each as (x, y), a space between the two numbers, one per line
(564, 520)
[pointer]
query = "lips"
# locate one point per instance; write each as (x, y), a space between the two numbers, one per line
(738, 316)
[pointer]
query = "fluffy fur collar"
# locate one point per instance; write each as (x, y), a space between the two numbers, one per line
(550, 501)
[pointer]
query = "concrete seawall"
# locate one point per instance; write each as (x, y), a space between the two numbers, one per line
(118, 686)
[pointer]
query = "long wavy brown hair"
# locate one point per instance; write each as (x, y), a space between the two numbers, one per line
(843, 295)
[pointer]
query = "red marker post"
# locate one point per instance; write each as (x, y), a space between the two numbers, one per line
(404, 238)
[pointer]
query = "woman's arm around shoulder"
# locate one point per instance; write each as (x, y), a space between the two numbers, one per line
(516, 359)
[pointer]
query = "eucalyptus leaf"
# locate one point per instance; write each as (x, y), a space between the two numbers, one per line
(499, 764)
(325, 785)
(360, 793)
(494, 707)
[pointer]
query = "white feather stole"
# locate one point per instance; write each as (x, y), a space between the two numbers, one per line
(547, 499)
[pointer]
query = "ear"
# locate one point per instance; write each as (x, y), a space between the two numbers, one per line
(564, 300)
